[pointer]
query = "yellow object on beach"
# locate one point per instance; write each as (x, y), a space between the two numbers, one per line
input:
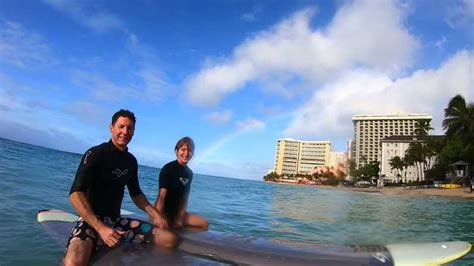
(450, 186)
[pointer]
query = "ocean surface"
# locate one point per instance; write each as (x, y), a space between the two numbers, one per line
(34, 178)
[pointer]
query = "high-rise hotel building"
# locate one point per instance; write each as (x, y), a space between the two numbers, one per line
(369, 130)
(295, 156)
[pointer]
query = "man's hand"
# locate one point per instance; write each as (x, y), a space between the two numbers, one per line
(111, 237)
(159, 221)
(155, 217)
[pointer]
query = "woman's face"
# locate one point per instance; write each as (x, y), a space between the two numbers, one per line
(184, 154)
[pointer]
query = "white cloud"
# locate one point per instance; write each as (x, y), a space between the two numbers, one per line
(7, 98)
(441, 42)
(45, 136)
(150, 157)
(23, 48)
(249, 17)
(210, 85)
(241, 170)
(87, 14)
(150, 86)
(469, 5)
(89, 113)
(329, 112)
(461, 14)
(102, 88)
(153, 79)
(220, 117)
(154, 82)
(252, 15)
(362, 33)
(19, 98)
(250, 124)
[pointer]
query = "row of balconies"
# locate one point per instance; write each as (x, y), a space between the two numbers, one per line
(381, 134)
(385, 122)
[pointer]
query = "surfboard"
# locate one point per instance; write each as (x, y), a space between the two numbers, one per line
(216, 248)
(59, 224)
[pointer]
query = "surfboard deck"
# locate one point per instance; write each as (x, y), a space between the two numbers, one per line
(214, 248)
(59, 224)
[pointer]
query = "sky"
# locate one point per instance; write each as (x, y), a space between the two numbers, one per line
(235, 75)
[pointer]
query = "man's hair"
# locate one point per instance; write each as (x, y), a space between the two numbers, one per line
(185, 141)
(123, 113)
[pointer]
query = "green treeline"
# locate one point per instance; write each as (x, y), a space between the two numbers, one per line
(329, 176)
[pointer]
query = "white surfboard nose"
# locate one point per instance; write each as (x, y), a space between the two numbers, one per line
(428, 253)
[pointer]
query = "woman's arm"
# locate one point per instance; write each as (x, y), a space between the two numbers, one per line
(142, 202)
(160, 200)
(182, 212)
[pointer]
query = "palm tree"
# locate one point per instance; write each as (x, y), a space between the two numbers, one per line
(411, 159)
(407, 162)
(397, 163)
(422, 151)
(413, 153)
(422, 128)
(459, 120)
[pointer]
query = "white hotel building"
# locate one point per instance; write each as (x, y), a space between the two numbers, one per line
(369, 130)
(397, 146)
(295, 156)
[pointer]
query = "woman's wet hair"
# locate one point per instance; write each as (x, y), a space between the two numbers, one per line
(185, 141)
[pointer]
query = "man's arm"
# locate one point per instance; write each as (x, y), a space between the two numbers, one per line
(142, 202)
(79, 201)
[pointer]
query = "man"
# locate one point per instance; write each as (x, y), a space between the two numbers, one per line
(97, 193)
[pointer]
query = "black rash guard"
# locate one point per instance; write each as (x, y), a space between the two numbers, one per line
(176, 178)
(102, 174)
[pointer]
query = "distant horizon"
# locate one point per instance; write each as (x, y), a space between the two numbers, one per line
(149, 166)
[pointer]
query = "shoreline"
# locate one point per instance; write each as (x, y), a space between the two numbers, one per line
(417, 192)
(399, 191)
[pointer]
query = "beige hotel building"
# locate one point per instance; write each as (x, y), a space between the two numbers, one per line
(369, 130)
(295, 156)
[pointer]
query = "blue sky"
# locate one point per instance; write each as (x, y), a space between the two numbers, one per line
(233, 75)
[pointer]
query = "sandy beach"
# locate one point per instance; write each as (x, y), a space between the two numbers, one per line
(400, 191)
(417, 192)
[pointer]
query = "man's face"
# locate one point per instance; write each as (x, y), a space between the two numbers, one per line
(122, 132)
(184, 154)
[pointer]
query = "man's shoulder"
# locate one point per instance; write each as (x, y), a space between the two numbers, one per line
(101, 148)
(94, 153)
(132, 157)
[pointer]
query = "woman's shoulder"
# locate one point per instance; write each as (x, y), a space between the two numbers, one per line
(189, 171)
(170, 165)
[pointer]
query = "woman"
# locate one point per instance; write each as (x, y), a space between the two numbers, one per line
(174, 186)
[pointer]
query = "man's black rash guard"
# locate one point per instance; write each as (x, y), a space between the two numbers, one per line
(176, 178)
(102, 174)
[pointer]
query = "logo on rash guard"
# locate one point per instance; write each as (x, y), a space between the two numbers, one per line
(381, 257)
(119, 172)
(183, 180)
(87, 155)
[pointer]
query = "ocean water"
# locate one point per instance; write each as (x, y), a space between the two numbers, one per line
(34, 178)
